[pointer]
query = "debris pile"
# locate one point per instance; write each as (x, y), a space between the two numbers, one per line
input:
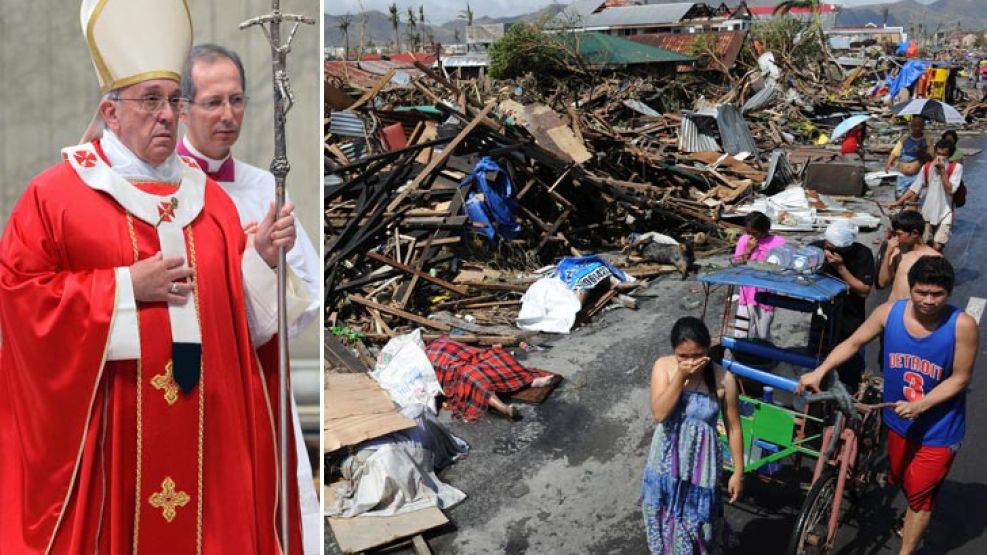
(442, 204)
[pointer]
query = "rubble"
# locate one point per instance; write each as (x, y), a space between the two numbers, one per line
(414, 240)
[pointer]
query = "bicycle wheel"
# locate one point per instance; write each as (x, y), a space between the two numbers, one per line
(809, 535)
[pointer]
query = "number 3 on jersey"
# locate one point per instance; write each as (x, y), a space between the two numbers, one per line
(913, 390)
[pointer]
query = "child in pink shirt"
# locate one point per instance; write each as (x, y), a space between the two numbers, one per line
(753, 318)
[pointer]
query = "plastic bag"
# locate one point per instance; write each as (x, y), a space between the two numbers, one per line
(549, 306)
(403, 369)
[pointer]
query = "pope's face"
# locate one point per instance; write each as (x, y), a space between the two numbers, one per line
(213, 119)
(149, 135)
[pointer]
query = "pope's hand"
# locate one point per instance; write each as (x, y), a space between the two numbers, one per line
(272, 234)
(158, 279)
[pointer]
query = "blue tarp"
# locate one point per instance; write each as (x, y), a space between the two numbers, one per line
(816, 287)
(585, 272)
(491, 205)
(910, 72)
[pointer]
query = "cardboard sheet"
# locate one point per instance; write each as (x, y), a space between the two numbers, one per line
(357, 409)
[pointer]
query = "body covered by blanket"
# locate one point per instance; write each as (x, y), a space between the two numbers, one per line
(469, 375)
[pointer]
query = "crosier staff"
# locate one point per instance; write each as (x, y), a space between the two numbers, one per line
(283, 100)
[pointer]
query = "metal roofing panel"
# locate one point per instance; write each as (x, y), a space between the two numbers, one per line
(468, 60)
(764, 98)
(692, 138)
(734, 132)
(727, 46)
(780, 171)
(597, 49)
(639, 15)
(346, 124)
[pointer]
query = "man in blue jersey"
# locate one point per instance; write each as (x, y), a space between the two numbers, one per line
(929, 350)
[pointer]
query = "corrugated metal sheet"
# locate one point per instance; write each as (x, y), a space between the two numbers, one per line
(700, 133)
(764, 98)
(354, 150)
(346, 124)
(727, 46)
(781, 173)
(694, 137)
(735, 135)
(638, 15)
(468, 60)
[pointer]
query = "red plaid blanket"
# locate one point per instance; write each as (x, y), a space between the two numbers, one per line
(469, 376)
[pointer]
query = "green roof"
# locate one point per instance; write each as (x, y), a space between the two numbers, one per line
(597, 49)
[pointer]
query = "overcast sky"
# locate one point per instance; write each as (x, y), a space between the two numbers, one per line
(440, 11)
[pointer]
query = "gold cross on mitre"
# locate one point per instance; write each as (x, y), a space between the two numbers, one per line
(166, 210)
(167, 499)
(166, 382)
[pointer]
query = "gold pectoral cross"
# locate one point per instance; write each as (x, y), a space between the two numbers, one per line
(167, 499)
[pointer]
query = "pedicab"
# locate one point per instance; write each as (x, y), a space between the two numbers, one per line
(838, 429)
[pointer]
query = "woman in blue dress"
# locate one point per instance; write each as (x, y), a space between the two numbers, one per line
(683, 511)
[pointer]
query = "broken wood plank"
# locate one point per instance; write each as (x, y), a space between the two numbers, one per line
(468, 339)
(437, 160)
(362, 533)
(384, 80)
(400, 313)
(423, 275)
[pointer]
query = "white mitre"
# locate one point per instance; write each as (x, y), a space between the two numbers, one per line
(131, 41)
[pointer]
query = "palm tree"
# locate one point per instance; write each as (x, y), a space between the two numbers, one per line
(816, 26)
(412, 30)
(395, 19)
(344, 26)
(788, 5)
(467, 14)
(421, 21)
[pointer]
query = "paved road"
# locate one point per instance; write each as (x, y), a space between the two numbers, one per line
(566, 479)
(958, 524)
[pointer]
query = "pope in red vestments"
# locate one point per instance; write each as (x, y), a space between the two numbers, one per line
(135, 413)
(110, 455)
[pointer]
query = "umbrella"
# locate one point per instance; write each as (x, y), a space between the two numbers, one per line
(929, 109)
(848, 124)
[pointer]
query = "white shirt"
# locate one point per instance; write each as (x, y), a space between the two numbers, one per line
(938, 206)
(252, 190)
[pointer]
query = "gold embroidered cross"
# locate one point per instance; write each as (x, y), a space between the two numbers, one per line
(167, 499)
(166, 383)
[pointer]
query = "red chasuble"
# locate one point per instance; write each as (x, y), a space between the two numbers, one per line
(112, 455)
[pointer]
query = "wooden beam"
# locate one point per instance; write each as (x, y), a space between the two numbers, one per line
(384, 79)
(421, 548)
(423, 275)
(401, 313)
(441, 158)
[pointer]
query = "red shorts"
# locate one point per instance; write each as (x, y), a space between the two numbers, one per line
(919, 469)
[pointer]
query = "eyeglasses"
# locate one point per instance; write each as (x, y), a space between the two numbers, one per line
(237, 103)
(154, 103)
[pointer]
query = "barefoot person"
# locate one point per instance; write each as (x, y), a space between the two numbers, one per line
(904, 248)
(683, 512)
(929, 350)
